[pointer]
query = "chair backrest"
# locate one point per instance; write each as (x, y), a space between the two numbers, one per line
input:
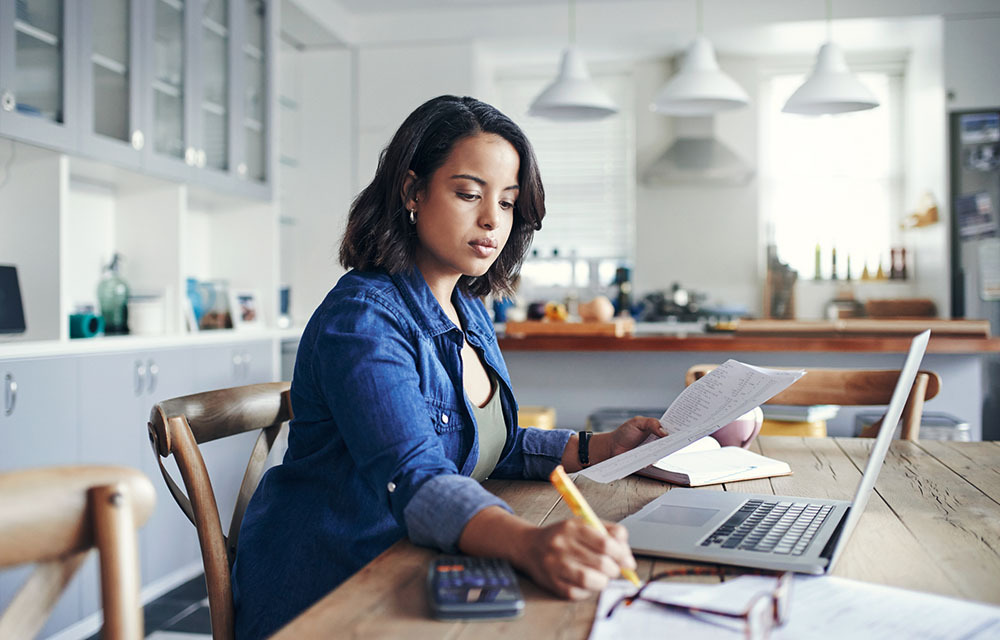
(176, 427)
(52, 517)
(852, 387)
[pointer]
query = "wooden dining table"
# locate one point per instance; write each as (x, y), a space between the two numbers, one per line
(933, 525)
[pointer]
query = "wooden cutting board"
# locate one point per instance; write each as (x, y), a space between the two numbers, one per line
(618, 327)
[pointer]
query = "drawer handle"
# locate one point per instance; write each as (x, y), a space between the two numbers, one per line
(140, 377)
(154, 374)
(10, 394)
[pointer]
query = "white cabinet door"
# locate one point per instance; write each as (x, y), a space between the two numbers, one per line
(218, 368)
(38, 428)
(117, 392)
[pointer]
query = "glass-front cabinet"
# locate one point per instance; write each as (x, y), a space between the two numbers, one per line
(168, 80)
(110, 71)
(176, 88)
(37, 44)
(254, 151)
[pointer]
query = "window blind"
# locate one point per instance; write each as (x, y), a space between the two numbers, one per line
(588, 169)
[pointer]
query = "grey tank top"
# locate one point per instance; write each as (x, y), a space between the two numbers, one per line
(492, 433)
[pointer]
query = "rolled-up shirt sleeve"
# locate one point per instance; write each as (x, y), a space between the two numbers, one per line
(442, 506)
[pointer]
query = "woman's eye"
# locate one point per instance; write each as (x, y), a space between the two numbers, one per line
(506, 205)
(467, 196)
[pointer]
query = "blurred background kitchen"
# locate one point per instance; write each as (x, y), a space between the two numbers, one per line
(175, 177)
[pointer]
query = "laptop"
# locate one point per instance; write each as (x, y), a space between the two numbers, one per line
(11, 309)
(763, 531)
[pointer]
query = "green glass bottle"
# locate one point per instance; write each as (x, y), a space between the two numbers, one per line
(112, 295)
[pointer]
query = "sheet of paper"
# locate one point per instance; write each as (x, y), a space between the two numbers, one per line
(718, 398)
(824, 606)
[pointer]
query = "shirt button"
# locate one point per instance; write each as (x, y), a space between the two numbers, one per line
(444, 418)
(391, 486)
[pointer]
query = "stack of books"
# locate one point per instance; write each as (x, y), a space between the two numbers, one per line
(788, 420)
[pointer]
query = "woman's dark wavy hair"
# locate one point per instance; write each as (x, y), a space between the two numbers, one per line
(379, 234)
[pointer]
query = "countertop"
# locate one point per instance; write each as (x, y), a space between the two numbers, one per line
(728, 342)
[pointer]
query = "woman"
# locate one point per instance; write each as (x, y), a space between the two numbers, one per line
(401, 398)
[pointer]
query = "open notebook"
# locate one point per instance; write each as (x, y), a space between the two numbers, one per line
(705, 462)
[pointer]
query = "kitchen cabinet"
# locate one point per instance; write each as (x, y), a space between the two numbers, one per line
(116, 393)
(92, 408)
(38, 40)
(178, 89)
(109, 71)
(38, 427)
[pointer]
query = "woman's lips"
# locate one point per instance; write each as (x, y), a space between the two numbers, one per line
(484, 247)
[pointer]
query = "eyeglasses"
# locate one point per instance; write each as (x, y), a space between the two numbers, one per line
(765, 610)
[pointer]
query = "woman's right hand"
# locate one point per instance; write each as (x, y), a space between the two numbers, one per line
(573, 559)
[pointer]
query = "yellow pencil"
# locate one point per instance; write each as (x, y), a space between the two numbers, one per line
(580, 508)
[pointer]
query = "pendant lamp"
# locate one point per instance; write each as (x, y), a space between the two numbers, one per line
(700, 88)
(572, 96)
(831, 87)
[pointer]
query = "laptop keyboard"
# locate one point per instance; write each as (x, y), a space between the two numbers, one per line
(771, 527)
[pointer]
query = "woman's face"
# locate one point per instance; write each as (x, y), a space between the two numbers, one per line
(466, 210)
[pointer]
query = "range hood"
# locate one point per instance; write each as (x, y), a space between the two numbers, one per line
(697, 157)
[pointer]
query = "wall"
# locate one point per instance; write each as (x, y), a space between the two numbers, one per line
(704, 237)
(316, 178)
(394, 80)
(925, 163)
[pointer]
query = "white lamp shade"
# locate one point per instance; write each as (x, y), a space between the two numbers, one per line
(573, 94)
(830, 88)
(700, 88)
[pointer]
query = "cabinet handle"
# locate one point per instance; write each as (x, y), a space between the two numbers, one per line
(246, 363)
(190, 156)
(202, 157)
(10, 394)
(140, 377)
(138, 140)
(237, 364)
(7, 100)
(154, 372)
(242, 170)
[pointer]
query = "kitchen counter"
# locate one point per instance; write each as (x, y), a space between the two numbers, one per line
(576, 375)
(731, 342)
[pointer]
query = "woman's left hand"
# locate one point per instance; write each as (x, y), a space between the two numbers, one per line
(634, 432)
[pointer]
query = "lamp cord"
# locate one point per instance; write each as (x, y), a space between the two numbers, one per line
(829, 20)
(699, 16)
(572, 22)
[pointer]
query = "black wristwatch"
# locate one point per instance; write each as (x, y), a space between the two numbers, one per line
(584, 450)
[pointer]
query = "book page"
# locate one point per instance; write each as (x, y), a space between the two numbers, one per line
(718, 398)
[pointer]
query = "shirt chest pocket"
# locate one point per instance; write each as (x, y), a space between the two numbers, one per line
(451, 426)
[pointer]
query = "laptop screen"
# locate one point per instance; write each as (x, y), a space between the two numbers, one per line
(11, 309)
(885, 435)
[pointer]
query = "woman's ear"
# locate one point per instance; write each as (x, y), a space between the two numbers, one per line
(408, 193)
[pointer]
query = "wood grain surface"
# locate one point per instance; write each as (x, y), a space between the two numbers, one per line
(933, 524)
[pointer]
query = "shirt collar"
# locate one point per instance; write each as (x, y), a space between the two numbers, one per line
(428, 313)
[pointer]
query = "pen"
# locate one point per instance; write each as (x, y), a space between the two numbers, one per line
(580, 508)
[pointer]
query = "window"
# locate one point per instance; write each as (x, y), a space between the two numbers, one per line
(835, 181)
(588, 169)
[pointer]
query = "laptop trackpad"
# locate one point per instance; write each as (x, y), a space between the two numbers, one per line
(683, 516)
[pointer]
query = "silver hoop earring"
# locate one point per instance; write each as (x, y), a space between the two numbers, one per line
(413, 216)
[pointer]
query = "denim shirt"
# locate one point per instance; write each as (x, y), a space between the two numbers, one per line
(381, 446)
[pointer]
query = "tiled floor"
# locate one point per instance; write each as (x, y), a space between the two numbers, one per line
(181, 614)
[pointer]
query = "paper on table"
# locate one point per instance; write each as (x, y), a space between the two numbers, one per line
(820, 607)
(716, 399)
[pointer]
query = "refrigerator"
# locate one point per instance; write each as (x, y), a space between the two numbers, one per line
(974, 141)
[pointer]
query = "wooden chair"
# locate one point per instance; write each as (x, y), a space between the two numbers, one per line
(53, 517)
(177, 427)
(852, 387)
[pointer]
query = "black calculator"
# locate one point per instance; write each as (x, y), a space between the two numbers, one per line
(466, 587)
